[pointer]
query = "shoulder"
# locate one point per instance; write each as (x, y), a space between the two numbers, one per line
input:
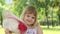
(39, 29)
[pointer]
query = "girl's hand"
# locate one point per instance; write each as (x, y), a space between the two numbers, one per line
(8, 31)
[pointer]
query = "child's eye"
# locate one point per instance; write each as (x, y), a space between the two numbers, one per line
(32, 17)
(28, 16)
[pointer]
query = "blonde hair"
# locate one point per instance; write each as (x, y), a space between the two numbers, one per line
(30, 10)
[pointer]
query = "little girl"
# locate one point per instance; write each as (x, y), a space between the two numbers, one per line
(29, 25)
(29, 16)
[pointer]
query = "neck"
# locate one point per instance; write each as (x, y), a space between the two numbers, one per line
(30, 26)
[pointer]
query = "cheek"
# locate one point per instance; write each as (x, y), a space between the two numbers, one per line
(33, 20)
(25, 18)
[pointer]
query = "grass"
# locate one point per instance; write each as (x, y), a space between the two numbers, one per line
(51, 30)
(2, 31)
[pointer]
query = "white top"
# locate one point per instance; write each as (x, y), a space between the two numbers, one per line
(31, 31)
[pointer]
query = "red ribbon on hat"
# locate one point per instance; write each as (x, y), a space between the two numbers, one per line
(22, 27)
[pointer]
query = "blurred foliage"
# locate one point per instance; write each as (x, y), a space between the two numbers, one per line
(48, 10)
(2, 2)
(1, 15)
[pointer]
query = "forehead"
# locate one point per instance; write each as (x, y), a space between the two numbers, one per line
(31, 15)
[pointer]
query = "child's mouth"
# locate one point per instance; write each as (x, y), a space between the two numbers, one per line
(28, 20)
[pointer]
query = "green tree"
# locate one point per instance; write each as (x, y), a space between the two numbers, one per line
(18, 7)
(1, 19)
(2, 2)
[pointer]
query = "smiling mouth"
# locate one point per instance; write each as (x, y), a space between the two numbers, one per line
(28, 20)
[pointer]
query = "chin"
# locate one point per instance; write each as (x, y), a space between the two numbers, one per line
(11, 25)
(29, 24)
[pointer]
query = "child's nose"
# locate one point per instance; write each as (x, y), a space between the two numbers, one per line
(30, 18)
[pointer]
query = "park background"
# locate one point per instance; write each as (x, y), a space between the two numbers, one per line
(48, 13)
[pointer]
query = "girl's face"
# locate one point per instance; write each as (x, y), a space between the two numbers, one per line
(29, 19)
